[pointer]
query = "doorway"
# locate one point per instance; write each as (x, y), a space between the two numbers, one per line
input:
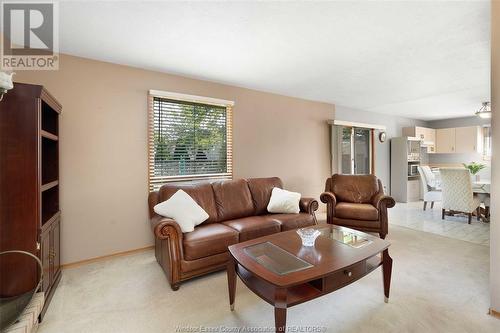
(356, 150)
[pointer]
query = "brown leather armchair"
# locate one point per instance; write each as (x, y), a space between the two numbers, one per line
(358, 202)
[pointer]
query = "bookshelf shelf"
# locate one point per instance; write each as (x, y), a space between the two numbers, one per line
(49, 135)
(50, 185)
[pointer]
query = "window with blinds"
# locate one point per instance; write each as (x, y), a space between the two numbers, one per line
(188, 140)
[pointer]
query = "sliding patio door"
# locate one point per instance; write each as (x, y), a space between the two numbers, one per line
(355, 150)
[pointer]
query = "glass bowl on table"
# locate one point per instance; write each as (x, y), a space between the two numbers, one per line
(308, 236)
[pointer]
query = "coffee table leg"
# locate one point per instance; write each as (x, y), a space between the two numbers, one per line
(231, 281)
(386, 272)
(280, 310)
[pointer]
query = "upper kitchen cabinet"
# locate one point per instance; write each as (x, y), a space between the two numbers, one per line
(426, 135)
(445, 140)
(458, 140)
(468, 139)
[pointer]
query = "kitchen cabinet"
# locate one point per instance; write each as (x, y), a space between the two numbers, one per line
(426, 135)
(459, 140)
(413, 190)
(405, 157)
(430, 136)
(467, 139)
(445, 140)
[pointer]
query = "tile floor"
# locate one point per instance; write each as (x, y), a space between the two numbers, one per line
(411, 215)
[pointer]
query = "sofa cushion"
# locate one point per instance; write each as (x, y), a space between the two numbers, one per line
(233, 199)
(203, 194)
(356, 211)
(254, 226)
(293, 221)
(208, 239)
(261, 189)
(354, 188)
(183, 209)
(284, 202)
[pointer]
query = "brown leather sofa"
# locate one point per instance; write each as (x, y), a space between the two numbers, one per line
(237, 212)
(358, 202)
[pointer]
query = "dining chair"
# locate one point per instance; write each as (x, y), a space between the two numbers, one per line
(428, 182)
(458, 196)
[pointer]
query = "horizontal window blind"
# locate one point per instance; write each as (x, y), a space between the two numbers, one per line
(188, 141)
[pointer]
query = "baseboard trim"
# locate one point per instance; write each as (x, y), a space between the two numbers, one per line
(109, 256)
(494, 313)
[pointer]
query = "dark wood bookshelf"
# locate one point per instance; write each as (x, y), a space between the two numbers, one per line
(49, 136)
(49, 160)
(29, 174)
(50, 185)
(50, 203)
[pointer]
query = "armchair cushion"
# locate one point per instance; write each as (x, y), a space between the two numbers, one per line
(354, 188)
(356, 211)
(207, 240)
(254, 226)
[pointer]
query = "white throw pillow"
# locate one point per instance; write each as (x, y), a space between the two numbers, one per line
(283, 201)
(183, 209)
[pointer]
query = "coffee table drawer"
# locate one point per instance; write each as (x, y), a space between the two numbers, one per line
(344, 277)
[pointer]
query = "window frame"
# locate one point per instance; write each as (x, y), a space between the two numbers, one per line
(486, 154)
(371, 148)
(154, 182)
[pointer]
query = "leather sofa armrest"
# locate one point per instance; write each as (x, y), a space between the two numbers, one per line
(382, 202)
(153, 198)
(382, 199)
(168, 231)
(328, 198)
(331, 201)
(308, 205)
(165, 228)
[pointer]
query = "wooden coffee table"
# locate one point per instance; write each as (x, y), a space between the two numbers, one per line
(284, 273)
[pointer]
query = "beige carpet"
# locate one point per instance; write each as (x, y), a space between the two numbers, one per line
(439, 285)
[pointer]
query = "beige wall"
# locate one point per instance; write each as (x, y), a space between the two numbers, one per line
(103, 147)
(495, 166)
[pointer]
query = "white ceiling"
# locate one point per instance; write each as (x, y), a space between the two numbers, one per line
(426, 60)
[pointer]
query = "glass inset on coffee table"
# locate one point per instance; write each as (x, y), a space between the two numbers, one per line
(347, 237)
(275, 258)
